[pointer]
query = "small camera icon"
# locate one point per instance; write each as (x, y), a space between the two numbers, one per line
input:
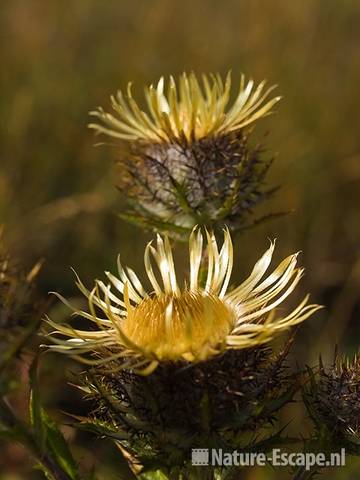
(200, 456)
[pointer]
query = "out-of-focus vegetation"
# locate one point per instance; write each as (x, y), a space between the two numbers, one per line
(57, 197)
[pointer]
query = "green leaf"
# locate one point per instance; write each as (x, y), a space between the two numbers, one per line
(48, 436)
(309, 396)
(44, 470)
(36, 421)
(275, 440)
(60, 449)
(157, 475)
(276, 404)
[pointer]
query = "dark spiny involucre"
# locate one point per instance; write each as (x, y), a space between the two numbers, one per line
(223, 402)
(333, 401)
(211, 181)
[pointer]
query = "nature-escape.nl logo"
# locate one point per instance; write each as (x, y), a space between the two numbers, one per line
(276, 458)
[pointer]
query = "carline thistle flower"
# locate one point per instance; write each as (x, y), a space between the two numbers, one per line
(139, 330)
(189, 160)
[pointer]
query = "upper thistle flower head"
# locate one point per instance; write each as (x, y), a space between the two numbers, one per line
(137, 329)
(189, 159)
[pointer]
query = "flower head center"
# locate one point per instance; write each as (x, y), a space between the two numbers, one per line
(192, 325)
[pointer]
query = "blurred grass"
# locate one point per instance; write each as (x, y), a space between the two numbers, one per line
(60, 59)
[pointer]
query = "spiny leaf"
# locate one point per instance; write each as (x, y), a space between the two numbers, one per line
(155, 224)
(101, 430)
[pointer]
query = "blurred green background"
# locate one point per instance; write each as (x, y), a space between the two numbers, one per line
(60, 59)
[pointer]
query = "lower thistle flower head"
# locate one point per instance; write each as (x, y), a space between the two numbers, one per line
(140, 329)
(228, 402)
